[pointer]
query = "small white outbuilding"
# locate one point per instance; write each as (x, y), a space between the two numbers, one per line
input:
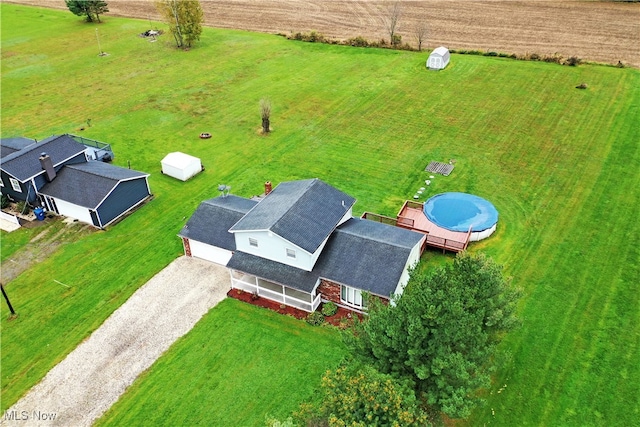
(438, 59)
(181, 166)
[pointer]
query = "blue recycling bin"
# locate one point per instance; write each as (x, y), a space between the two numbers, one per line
(39, 212)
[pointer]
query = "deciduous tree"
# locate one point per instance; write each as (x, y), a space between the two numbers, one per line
(391, 22)
(420, 32)
(92, 9)
(184, 17)
(357, 395)
(442, 333)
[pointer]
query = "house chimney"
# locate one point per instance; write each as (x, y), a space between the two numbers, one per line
(47, 166)
(267, 188)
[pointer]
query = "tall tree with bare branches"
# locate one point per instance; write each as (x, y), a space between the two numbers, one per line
(420, 32)
(391, 22)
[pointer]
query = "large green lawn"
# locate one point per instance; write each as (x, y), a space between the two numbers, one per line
(238, 365)
(561, 165)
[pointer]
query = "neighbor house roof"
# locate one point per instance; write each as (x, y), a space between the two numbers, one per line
(11, 145)
(302, 212)
(87, 184)
(25, 163)
(212, 219)
(363, 254)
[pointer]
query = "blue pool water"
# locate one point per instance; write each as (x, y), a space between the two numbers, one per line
(459, 211)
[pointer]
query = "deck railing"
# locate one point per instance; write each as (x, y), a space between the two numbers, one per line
(414, 205)
(379, 218)
(404, 221)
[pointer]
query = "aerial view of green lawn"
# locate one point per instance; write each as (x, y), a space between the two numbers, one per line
(561, 165)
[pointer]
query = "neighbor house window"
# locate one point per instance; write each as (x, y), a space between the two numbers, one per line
(291, 253)
(253, 242)
(352, 296)
(15, 184)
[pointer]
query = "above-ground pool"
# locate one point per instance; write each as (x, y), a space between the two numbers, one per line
(459, 211)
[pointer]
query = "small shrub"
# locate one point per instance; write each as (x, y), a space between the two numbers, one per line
(573, 61)
(620, 64)
(491, 54)
(23, 207)
(329, 308)
(358, 42)
(534, 57)
(555, 59)
(582, 86)
(4, 202)
(315, 319)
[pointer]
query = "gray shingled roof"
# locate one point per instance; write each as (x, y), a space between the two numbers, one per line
(301, 212)
(11, 145)
(363, 254)
(24, 164)
(87, 184)
(213, 218)
(367, 255)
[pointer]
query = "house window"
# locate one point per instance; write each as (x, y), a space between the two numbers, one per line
(352, 296)
(15, 184)
(291, 253)
(253, 242)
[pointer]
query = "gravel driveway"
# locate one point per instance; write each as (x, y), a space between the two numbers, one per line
(91, 378)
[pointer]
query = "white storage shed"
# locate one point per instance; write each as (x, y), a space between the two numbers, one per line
(181, 166)
(438, 59)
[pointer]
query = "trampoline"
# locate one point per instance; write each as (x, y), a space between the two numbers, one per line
(459, 211)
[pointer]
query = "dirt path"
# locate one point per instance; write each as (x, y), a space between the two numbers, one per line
(55, 232)
(90, 379)
(600, 31)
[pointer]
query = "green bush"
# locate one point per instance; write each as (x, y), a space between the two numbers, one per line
(358, 42)
(316, 318)
(573, 61)
(329, 308)
(23, 207)
(4, 202)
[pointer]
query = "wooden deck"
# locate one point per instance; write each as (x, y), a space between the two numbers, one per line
(412, 217)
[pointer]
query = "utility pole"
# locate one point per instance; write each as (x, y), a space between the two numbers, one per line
(98, 38)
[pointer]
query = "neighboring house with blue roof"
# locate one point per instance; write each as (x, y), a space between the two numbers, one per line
(300, 245)
(60, 176)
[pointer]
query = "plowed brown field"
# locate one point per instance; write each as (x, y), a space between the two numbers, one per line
(592, 30)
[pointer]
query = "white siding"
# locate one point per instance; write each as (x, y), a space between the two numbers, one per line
(413, 259)
(74, 211)
(273, 247)
(209, 253)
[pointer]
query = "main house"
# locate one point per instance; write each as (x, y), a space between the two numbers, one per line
(300, 245)
(60, 175)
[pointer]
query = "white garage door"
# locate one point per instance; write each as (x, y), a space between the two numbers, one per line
(74, 211)
(210, 253)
